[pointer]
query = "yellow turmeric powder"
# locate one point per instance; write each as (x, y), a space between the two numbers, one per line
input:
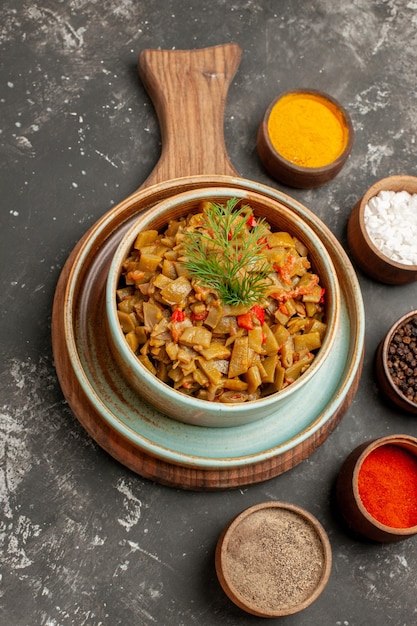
(307, 130)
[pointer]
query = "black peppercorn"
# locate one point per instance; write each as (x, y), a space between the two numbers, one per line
(403, 359)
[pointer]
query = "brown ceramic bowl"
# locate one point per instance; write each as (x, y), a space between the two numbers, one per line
(273, 559)
(349, 501)
(387, 364)
(288, 171)
(364, 252)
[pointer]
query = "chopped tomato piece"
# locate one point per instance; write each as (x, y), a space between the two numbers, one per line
(258, 312)
(245, 321)
(196, 317)
(178, 315)
(262, 241)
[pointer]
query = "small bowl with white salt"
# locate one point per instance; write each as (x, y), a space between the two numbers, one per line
(382, 230)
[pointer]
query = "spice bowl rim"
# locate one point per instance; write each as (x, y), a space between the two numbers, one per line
(291, 173)
(383, 374)
(366, 254)
(397, 440)
(360, 520)
(221, 556)
(174, 403)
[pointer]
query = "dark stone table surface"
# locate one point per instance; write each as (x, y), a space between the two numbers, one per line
(83, 540)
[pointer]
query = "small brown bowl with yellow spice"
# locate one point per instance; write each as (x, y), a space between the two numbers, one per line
(396, 363)
(382, 229)
(273, 559)
(221, 304)
(305, 138)
(377, 489)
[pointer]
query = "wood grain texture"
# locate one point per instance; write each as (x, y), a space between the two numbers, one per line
(189, 90)
(203, 153)
(86, 270)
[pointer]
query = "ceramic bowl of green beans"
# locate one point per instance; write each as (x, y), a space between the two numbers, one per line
(222, 308)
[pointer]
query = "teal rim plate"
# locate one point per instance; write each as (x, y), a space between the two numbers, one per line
(157, 435)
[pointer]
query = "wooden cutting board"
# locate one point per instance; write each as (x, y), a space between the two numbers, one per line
(189, 90)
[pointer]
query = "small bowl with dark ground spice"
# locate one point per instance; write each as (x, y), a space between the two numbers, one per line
(377, 489)
(396, 363)
(273, 559)
(305, 138)
(382, 230)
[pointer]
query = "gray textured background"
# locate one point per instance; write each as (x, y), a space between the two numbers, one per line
(84, 541)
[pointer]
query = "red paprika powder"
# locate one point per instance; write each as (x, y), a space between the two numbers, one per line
(387, 485)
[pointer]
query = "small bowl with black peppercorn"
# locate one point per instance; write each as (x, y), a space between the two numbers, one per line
(396, 363)
(377, 489)
(382, 229)
(273, 559)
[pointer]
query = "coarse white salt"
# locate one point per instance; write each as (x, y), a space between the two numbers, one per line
(391, 222)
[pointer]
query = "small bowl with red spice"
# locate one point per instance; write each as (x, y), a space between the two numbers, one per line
(396, 363)
(382, 230)
(273, 559)
(377, 489)
(305, 138)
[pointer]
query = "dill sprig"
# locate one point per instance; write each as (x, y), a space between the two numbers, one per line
(225, 254)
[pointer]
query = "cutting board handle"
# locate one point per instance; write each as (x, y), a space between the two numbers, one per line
(188, 89)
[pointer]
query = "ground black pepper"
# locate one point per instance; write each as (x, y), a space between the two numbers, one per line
(402, 359)
(275, 559)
